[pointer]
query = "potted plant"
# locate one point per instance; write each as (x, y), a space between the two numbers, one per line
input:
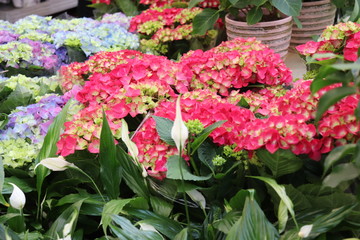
(269, 21)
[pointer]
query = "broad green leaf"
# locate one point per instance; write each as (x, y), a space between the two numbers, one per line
(7, 234)
(330, 98)
(227, 221)
(129, 231)
(183, 235)
(3, 120)
(163, 128)
(132, 174)
(241, 3)
(205, 21)
(206, 154)
(340, 173)
(164, 225)
(333, 78)
(115, 207)
(193, 3)
(110, 171)
(161, 206)
(26, 184)
(21, 96)
(281, 162)
(49, 147)
(288, 7)
(203, 135)
(127, 6)
(72, 198)
(280, 190)
(71, 214)
(5, 217)
(243, 103)
(357, 112)
(282, 216)
(254, 15)
(337, 154)
(253, 224)
(357, 154)
(356, 11)
(197, 197)
(237, 202)
(325, 223)
(177, 169)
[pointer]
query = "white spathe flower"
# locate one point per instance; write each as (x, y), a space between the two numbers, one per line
(179, 132)
(133, 150)
(56, 164)
(305, 231)
(17, 198)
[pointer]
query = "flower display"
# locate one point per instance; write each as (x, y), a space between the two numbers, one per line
(165, 3)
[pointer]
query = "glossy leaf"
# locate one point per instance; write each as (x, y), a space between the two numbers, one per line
(3, 120)
(357, 154)
(281, 162)
(237, 202)
(330, 98)
(337, 154)
(110, 172)
(205, 21)
(21, 96)
(340, 173)
(163, 128)
(161, 206)
(183, 235)
(282, 216)
(319, 83)
(6, 233)
(193, 3)
(127, 6)
(253, 224)
(288, 7)
(175, 165)
(2, 180)
(254, 15)
(204, 134)
(225, 224)
(206, 153)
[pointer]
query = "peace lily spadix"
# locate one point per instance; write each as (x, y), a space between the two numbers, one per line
(179, 132)
(17, 198)
(56, 164)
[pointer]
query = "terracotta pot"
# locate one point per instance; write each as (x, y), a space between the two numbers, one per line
(276, 34)
(314, 17)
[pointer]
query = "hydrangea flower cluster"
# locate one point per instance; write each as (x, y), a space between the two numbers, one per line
(25, 52)
(22, 137)
(202, 105)
(159, 27)
(342, 38)
(234, 64)
(168, 3)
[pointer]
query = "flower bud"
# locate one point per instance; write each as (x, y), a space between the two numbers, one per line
(179, 132)
(17, 198)
(56, 164)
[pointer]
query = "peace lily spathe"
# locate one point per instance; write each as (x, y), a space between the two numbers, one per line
(305, 231)
(56, 164)
(179, 132)
(17, 198)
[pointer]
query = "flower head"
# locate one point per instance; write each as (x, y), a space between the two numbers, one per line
(17, 198)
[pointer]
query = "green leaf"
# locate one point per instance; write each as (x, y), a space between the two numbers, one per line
(281, 162)
(3, 120)
(253, 224)
(325, 223)
(127, 6)
(49, 147)
(340, 173)
(26, 184)
(115, 207)
(70, 215)
(280, 190)
(175, 164)
(183, 235)
(227, 221)
(241, 3)
(129, 231)
(288, 7)
(237, 202)
(110, 171)
(163, 127)
(193, 3)
(6, 233)
(282, 216)
(254, 15)
(337, 154)
(206, 154)
(21, 96)
(357, 154)
(243, 103)
(132, 174)
(333, 78)
(204, 134)
(164, 225)
(2, 180)
(5, 217)
(205, 21)
(330, 98)
(356, 11)
(161, 206)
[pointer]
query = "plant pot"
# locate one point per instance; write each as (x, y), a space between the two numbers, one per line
(314, 17)
(24, 3)
(276, 34)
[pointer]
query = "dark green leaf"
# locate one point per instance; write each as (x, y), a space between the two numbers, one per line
(177, 169)
(129, 231)
(357, 155)
(240, 3)
(340, 173)
(132, 174)
(203, 135)
(115, 207)
(254, 15)
(238, 201)
(206, 154)
(193, 3)
(183, 235)
(205, 21)
(253, 224)
(227, 221)
(164, 225)
(243, 103)
(288, 7)
(357, 112)
(7, 233)
(26, 185)
(163, 127)
(161, 206)
(333, 78)
(337, 154)
(3, 120)
(21, 96)
(356, 11)
(127, 6)
(281, 162)
(110, 171)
